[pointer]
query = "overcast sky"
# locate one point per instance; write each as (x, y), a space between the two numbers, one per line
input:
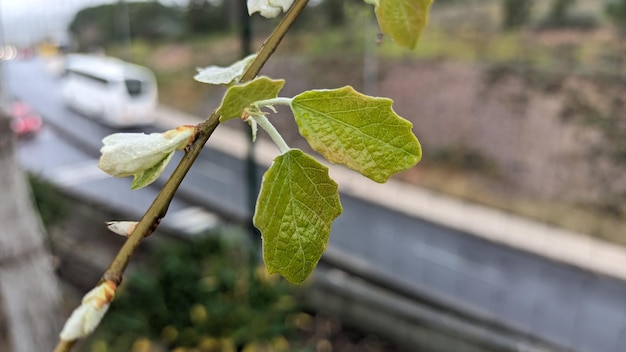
(26, 21)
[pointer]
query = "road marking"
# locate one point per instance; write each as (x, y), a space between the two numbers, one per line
(85, 171)
(193, 220)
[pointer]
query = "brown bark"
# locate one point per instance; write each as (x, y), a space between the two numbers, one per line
(29, 289)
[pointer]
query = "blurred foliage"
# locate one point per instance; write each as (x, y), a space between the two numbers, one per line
(96, 27)
(204, 16)
(210, 295)
(100, 26)
(560, 15)
(465, 159)
(335, 12)
(516, 13)
(606, 114)
(546, 81)
(318, 17)
(51, 203)
(447, 2)
(616, 11)
(560, 9)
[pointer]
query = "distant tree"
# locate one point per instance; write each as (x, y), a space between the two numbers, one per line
(560, 15)
(154, 21)
(516, 13)
(560, 9)
(95, 27)
(335, 12)
(616, 11)
(205, 16)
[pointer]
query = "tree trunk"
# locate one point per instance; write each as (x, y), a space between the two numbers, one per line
(29, 289)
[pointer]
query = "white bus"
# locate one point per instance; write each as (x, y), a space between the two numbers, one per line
(117, 93)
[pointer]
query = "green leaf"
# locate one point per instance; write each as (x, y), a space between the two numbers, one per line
(403, 20)
(294, 212)
(356, 130)
(224, 75)
(241, 96)
(146, 177)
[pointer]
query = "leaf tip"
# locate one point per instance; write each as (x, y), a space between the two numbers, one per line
(137, 184)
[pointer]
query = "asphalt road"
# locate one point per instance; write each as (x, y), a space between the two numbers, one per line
(559, 303)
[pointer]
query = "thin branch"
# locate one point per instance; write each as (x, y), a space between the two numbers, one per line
(64, 346)
(274, 39)
(157, 210)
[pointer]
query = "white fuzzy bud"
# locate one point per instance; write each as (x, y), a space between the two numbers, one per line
(126, 154)
(88, 315)
(269, 8)
(142, 155)
(224, 75)
(122, 228)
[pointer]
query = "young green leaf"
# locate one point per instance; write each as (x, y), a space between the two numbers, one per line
(224, 75)
(239, 97)
(356, 130)
(146, 177)
(403, 20)
(295, 209)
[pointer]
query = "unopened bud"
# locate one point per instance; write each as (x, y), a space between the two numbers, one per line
(88, 315)
(269, 8)
(122, 228)
(143, 156)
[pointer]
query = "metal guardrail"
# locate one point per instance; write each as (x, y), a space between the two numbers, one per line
(417, 307)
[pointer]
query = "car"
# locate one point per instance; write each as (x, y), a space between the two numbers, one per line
(25, 122)
(116, 93)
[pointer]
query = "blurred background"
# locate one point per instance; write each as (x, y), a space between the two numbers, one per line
(508, 236)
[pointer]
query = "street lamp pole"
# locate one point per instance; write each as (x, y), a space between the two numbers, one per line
(251, 165)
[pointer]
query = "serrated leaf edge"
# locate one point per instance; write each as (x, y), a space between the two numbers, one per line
(271, 267)
(386, 103)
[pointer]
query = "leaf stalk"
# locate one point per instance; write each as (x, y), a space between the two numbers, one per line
(272, 131)
(274, 101)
